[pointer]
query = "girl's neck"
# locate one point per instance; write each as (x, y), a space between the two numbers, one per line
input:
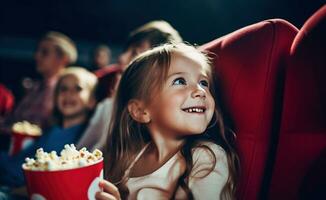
(155, 155)
(165, 147)
(165, 143)
(72, 121)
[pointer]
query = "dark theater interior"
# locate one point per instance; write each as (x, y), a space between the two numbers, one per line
(269, 68)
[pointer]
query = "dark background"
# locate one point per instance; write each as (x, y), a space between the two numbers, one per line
(90, 22)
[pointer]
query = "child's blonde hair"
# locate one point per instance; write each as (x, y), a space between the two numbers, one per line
(143, 78)
(63, 44)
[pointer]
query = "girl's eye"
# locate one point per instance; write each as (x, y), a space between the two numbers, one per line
(78, 88)
(75, 89)
(63, 89)
(179, 81)
(204, 83)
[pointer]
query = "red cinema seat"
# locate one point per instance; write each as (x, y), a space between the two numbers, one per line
(302, 141)
(107, 80)
(249, 63)
(7, 101)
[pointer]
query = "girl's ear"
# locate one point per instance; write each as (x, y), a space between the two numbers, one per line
(138, 111)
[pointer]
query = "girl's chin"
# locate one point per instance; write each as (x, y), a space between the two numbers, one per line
(194, 132)
(71, 115)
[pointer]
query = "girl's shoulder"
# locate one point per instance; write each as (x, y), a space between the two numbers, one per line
(209, 153)
(209, 162)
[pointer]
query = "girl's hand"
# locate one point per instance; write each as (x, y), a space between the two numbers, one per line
(110, 191)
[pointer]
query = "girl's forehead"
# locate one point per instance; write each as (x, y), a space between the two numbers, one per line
(182, 61)
(70, 79)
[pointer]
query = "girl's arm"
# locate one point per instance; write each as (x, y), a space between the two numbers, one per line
(204, 183)
(110, 191)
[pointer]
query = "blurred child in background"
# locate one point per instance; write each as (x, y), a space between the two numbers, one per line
(101, 57)
(74, 101)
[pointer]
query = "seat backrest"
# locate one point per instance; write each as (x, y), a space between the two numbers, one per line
(249, 65)
(6, 101)
(302, 139)
(108, 77)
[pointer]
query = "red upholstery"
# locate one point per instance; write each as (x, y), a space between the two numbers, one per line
(6, 101)
(249, 62)
(107, 80)
(302, 140)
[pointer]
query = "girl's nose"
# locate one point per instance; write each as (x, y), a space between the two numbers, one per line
(198, 92)
(68, 92)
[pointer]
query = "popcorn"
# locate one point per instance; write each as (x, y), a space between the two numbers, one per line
(69, 158)
(27, 128)
(56, 176)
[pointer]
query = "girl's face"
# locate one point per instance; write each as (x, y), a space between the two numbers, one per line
(74, 98)
(185, 105)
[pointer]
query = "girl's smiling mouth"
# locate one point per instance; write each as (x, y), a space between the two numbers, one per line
(195, 109)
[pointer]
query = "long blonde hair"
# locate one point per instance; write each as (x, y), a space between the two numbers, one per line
(144, 76)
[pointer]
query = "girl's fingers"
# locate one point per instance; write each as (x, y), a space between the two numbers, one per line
(110, 188)
(104, 196)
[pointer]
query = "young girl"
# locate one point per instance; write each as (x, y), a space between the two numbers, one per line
(166, 138)
(74, 99)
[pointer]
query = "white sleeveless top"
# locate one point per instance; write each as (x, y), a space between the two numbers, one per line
(162, 183)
